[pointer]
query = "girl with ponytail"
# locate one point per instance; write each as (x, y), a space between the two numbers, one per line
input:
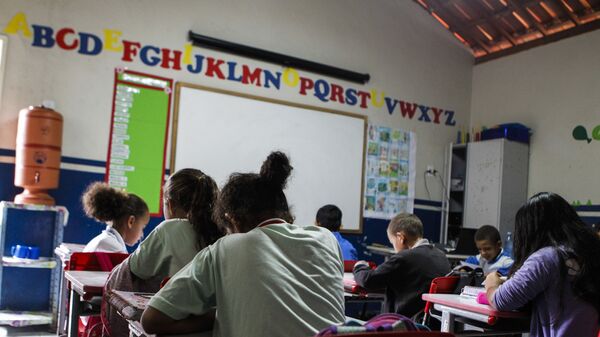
(188, 199)
(268, 277)
(125, 215)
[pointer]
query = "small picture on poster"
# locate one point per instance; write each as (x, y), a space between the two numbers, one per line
(370, 203)
(394, 151)
(372, 167)
(394, 169)
(384, 168)
(383, 151)
(380, 206)
(384, 135)
(382, 185)
(403, 187)
(373, 149)
(373, 133)
(371, 185)
(394, 186)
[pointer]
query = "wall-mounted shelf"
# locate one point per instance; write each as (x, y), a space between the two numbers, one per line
(42, 262)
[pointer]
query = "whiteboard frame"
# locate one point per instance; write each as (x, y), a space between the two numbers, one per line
(175, 122)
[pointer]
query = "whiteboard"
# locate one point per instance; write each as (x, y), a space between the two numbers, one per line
(221, 132)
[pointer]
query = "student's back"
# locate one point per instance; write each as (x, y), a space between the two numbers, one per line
(188, 198)
(416, 268)
(269, 278)
(407, 274)
(276, 280)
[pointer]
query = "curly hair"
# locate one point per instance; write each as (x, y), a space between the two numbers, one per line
(108, 204)
(249, 198)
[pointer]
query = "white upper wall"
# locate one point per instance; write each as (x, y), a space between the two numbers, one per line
(404, 50)
(551, 89)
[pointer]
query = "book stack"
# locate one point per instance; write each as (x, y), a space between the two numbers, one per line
(471, 292)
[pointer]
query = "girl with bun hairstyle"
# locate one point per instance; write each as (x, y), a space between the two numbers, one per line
(125, 215)
(268, 277)
(188, 199)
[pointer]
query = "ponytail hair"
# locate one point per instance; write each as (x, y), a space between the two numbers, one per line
(248, 198)
(108, 204)
(195, 193)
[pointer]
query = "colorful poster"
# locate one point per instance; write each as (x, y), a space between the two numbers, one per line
(390, 172)
(138, 135)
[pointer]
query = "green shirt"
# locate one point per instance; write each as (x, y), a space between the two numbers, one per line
(168, 248)
(276, 280)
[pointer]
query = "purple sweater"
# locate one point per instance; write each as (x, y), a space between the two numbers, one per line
(537, 281)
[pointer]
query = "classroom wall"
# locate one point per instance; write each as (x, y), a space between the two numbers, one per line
(551, 89)
(406, 53)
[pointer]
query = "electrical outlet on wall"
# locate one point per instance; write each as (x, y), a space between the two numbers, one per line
(430, 170)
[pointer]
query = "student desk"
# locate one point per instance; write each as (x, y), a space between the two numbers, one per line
(362, 297)
(453, 306)
(84, 285)
(64, 252)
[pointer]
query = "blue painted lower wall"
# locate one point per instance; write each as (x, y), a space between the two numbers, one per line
(81, 229)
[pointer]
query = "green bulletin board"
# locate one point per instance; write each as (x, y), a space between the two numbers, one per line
(138, 135)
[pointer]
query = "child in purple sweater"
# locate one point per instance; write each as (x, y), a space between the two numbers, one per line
(557, 270)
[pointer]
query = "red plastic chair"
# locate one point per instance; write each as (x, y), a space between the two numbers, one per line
(93, 261)
(440, 285)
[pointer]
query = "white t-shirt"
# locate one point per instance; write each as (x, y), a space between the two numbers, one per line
(276, 280)
(168, 248)
(109, 241)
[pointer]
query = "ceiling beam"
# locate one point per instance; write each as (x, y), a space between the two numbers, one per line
(516, 5)
(587, 27)
(492, 18)
(455, 24)
(565, 9)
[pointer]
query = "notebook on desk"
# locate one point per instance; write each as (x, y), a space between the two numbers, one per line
(129, 304)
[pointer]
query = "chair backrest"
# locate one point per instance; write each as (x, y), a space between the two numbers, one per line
(95, 261)
(441, 285)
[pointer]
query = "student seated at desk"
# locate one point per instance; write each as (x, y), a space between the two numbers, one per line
(330, 217)
(125, 215)
(492, 257)
(188, 198)
(407, 274)
(267, 278)
(556, 270)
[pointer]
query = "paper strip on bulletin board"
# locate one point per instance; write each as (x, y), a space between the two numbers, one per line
(138, 135)
(390, 174)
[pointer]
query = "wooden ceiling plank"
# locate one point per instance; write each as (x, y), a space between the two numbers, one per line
(587, 27)
(565, 9)
(516, 5)
(455, 25)
(493, 20)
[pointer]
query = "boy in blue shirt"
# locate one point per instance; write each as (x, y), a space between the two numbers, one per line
(330, 217)
(491, 255)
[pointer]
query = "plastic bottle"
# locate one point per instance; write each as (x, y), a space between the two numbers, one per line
(508, 244)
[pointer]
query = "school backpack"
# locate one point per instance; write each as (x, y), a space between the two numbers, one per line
(469, 277)
(383, 322)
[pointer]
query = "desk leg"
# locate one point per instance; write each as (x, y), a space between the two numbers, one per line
(74, 311)
(62, 305)
(447, 321)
